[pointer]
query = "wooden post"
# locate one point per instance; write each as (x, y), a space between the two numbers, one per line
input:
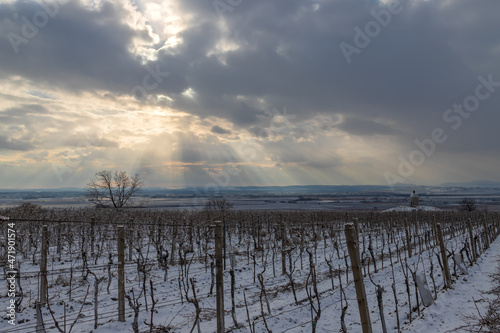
(219, 277)
(486, 234)
(497, 225)
(59, 240)
(173, 248)
(224, 240)
(444, 257)
(356, 230)
(452, 225)
(472, 243)
(92, 237)
(416, 224)
(121, 273)
(130, 234)
(436, 238)
(64, 304)
(408, 240)
(353, 248)
(40, 327)
(43, 267)
(283, 251)
(494, 226)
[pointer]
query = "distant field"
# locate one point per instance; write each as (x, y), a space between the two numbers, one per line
(490, 202)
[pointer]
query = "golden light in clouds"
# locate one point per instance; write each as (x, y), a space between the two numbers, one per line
(177, 91)
(89, 131)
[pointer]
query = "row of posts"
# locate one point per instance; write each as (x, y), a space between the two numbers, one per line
(219, 242)
(121, 273)
(352, 240)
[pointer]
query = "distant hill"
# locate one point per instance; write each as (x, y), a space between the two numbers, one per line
(273, 190)
(462, 188)
(477, 183)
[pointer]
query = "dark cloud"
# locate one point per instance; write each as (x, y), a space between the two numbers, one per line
(7, 143)
(260, 56)
(84, 141)
(79, 49)
(307, 154)
(24, 111)
(189, 155)
(288, 54)
(219, 130)
(259, 132)
(365, 127)
(38, 156)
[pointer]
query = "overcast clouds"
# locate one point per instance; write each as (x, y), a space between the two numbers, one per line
(261, 94)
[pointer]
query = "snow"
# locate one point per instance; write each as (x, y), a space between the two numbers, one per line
(447, 314)
(410, 209)
(451, 307)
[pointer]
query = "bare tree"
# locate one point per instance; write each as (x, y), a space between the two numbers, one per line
(467, 205)
(217, 208)
(113, 190)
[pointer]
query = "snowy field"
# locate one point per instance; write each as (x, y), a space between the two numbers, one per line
(467, 297)
(174, 253)
(340, 198)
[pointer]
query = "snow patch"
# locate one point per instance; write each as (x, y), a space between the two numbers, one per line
(409, 209)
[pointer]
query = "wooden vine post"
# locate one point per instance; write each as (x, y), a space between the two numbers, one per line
(444, 257)
(43, 267)
(121, 273)
(472, 243)
(283, 249)
(486, 233)
(92, 237)
(219, 277)
(408, 238)
(353, 248)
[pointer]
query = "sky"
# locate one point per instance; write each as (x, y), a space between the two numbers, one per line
(239, 92)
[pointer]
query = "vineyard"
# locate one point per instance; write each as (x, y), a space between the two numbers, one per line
(82, 270)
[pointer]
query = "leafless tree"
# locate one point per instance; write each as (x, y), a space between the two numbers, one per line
(467, 205)
(114, 190)
(217, 208)
(221, 205)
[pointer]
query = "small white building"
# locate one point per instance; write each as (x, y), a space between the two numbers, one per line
(413, 200)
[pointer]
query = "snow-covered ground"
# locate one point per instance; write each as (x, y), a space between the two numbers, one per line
(285, 315)
(411, 209)
(450, 311)
(448, 314)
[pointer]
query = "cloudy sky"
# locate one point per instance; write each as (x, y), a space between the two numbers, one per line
(249, 92)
